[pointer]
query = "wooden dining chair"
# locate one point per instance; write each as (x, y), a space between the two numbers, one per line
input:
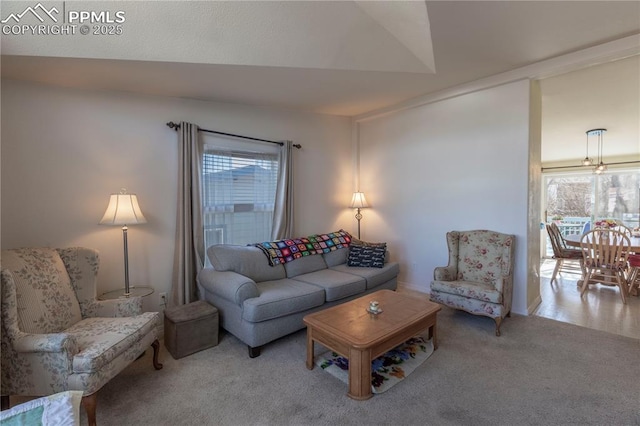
(634, 274)
(623, 228)
(567, 259)
(605, 259)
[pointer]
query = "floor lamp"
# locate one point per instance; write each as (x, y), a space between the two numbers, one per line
(123, 209)
(358, 202)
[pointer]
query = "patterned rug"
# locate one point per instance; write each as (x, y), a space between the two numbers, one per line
(386, 370)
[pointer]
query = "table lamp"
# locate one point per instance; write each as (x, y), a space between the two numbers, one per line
(358, 202)
(123, 209)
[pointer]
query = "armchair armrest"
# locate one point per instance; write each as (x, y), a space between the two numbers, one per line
(502, 282)
(126, 307)
(444, 273)
(55, 342)
(229, 285)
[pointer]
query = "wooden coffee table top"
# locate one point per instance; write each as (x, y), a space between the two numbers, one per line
(352, 323)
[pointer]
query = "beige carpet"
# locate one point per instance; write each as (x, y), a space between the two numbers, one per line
(539, 372)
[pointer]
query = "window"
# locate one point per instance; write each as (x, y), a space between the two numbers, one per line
(574, 199)
(238, 191)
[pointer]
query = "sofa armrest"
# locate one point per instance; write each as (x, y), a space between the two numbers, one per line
(229, 285)
(444, 273)
(55, 342)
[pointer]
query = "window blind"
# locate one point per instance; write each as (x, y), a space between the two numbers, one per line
(238, 190)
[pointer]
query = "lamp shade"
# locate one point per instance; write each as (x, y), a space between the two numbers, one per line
(358, 201)
(123, 209)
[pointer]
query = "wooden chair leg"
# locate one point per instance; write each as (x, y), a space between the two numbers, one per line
(89, 403)
(156, 350)
(498, 322)
(622, 285)
(556, 269)
(585, 283)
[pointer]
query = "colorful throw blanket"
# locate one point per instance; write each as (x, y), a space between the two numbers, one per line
(283, 251)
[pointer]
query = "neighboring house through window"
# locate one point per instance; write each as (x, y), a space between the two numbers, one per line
(238, 191)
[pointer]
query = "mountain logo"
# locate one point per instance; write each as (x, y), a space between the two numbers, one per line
(38, 11)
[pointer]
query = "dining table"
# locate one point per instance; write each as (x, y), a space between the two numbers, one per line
(574, 241)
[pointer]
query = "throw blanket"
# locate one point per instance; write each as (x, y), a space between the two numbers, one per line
(283, 251)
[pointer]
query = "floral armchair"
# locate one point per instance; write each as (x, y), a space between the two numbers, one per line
(56, 336)
(479, 277)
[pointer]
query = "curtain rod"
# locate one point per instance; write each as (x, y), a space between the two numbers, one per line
(176, 126)
(572, 167)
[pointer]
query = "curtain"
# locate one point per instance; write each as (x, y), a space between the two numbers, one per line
(189, 246)
(283, 209)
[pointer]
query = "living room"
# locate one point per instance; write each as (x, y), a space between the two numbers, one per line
(465, 156)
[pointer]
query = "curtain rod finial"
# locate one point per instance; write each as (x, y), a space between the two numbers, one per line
(173, 125)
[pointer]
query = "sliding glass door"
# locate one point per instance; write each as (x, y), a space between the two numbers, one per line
(576, 200)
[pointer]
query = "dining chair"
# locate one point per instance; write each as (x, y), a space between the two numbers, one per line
(605, 255)
(634, 274)
(623, 228)
(567, 259)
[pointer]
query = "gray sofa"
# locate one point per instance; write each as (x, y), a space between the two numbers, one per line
(259, 303)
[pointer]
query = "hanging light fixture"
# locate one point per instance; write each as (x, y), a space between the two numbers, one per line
(600, 167)
(587, 160)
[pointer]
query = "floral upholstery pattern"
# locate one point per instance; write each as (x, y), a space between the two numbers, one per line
(479, 276)
(55, 335)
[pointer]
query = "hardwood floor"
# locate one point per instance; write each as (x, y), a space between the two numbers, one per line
(601, 308)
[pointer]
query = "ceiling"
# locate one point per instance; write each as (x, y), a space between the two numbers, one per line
(333, 57)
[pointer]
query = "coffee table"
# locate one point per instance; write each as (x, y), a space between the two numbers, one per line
(360, 336)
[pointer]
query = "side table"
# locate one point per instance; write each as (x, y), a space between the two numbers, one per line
(133, 292)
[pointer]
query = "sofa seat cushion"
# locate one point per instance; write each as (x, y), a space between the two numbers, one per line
(373, 276)
(472, 290)
(336, 285)
(474, 306)
(101, 340)
(280, 298)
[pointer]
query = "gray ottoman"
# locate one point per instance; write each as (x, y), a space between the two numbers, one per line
(190, 328)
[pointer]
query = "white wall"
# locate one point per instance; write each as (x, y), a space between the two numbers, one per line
(457, 164)
(64, 151)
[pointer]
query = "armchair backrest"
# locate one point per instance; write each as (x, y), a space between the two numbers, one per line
(45, 299)
(481, 256)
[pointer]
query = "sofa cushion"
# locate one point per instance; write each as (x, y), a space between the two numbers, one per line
(367, 256)
(249, 261)
(373, 276)
(280, 298)
(336, 285)
(336, 257)
(473, 290)
(304, 265)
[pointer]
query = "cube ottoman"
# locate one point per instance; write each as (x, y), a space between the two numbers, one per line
(190, 328)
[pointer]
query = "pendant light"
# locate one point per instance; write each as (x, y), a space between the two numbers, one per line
(601, 167)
